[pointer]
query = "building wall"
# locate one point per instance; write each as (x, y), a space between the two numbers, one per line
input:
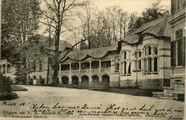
(177, 22)
(147, 79)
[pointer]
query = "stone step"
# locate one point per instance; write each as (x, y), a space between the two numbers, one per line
(166, 98)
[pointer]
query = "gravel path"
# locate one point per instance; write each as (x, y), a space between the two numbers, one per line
(53, 102)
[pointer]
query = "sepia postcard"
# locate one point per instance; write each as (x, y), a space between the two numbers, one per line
(93, 59)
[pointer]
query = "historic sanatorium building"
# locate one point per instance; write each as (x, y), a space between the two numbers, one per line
(151, 57)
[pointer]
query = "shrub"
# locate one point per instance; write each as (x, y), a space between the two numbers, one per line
(5, 84)
(5, 89)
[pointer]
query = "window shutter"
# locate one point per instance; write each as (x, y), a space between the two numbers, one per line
(173, 53)
(183, 51)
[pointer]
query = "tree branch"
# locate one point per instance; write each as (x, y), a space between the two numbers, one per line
(47, 24)
(51, 7)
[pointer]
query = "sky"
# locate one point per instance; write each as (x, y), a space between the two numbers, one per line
(127, 5)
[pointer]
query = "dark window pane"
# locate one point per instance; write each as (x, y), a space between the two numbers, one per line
(155, 50)
(65, 67)
(125, 69)
(139, 64)
(149, 50)
(155, 64)
(117, 67)
(125, 55)
(139, 54)
(129, 69)
(145, 63)
(149, 65)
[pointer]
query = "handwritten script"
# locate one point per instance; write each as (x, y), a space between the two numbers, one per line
(34, 110)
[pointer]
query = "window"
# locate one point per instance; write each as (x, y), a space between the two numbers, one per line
(75, 66)
(105, 64)
(137, 61)
(125, 67)
(129, 69)
(117, 67)
(155, 50)
(178, 50)
(150, 59)
(65, 67)
(155, 65)
(149, 64)
(139, 54)
(139, 64)
(149, 50)
(85, 65)
(125, 55)
(145, 65)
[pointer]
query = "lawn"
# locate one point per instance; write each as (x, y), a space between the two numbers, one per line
(18, 88)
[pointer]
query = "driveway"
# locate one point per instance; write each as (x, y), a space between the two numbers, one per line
(54, 102)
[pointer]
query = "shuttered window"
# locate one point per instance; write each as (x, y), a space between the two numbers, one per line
(178, 49)
(173, 53)
(181, 52)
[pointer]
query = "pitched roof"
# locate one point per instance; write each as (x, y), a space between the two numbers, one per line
(159, 28)
(79, 55)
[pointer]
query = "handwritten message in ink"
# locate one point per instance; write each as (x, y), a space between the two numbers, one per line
(34, 110)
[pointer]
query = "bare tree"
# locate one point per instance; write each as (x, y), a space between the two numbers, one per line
(62, 18)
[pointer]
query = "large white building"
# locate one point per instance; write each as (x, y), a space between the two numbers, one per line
(151, 57)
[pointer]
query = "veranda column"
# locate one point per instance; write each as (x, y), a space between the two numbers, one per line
(70, 75)
(59, 75)
(79, 67)
(90, 66)
(152, 60)
(79, 81)
(99, 65)
(90, 77)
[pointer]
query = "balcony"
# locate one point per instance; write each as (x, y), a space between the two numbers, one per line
(94, 70)
(65, 71)
(85, 71)
(105, 69)
(75, 71)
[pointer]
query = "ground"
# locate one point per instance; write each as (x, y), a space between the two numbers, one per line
(54, 102)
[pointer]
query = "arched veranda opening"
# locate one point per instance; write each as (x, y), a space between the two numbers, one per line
(84, 81)
(95, 80)
(75, 80)
(105, 80)
(65, 80)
